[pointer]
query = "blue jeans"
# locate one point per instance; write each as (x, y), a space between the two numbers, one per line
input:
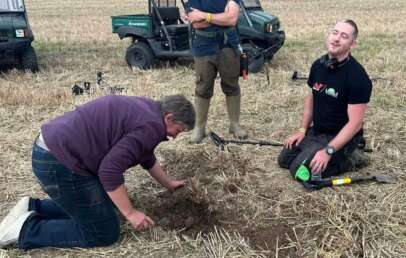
(79, 213)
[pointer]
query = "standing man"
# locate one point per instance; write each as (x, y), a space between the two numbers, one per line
(215, 46)
(340, 92)
(79, 159)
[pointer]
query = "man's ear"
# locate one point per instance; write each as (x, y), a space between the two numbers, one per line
(353, 44)
(168, 117)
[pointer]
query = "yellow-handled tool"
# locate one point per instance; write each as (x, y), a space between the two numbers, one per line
(328, 182)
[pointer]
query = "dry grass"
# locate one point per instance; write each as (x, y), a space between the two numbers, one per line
(257, 209)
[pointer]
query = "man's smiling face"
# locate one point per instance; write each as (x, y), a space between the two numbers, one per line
(340, 40)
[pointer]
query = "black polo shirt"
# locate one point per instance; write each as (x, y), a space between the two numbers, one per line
(333, 90)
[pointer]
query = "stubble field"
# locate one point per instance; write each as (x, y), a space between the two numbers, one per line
(238, 202)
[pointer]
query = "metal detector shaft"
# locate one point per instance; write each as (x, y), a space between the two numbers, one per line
(221, 142)
(260, 143)
(295, 77)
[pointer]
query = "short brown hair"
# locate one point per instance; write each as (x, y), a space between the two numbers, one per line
(181, 108)
(353, 24)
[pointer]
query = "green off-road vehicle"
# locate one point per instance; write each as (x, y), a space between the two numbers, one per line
(162, 34)
(16, 36)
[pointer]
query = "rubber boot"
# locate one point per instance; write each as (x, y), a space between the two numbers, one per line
(233, 109)
(202, 108)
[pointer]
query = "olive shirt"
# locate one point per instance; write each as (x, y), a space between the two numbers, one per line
(107, 136)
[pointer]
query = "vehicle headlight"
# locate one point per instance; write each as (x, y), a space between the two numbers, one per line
(268, 27)
(20, 33)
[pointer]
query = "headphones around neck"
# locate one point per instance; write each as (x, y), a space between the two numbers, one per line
(332, 63)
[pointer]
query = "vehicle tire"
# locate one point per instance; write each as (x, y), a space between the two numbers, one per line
(256, 59)
(28, 60)
(139, 55)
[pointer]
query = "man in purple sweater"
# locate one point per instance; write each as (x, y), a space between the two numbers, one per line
(79, 159)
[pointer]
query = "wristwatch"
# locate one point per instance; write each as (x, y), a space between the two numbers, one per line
(330, 150)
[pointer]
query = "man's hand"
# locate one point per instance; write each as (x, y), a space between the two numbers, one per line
(200, 25)
(139, 220)
(195, 16)
(294, 140)
(175, 184)
(320, 161)
(159, 175)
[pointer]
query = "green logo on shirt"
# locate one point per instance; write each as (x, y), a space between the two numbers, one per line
(331, 92)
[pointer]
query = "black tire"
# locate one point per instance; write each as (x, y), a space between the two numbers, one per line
(28, 60)
(139, 55)
(256, 59)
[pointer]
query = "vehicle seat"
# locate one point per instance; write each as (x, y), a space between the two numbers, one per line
(171, 16)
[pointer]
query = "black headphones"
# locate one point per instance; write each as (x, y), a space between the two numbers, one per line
(332, 63)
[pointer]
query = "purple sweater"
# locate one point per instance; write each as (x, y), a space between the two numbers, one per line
(107, 136)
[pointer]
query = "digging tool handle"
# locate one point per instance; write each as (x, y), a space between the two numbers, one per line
(347, 180)
(313, 185)
(338, 182)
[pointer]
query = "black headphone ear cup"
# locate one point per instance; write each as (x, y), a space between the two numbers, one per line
(332, 63)
(324, 60)
(329, 63)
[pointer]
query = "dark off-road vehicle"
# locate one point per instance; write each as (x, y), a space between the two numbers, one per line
(162, 34)
(16, 36)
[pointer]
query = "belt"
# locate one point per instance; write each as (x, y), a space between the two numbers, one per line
(212, 34)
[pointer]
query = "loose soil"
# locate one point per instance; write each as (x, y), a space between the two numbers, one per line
(181, 213)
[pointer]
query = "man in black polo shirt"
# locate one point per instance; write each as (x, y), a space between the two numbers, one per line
(340, 92)
(215, 47)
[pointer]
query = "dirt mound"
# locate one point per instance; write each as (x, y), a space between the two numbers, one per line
(178, 211)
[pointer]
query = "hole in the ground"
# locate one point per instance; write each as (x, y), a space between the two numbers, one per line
(184, 214)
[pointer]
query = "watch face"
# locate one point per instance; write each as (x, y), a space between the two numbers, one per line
(330, 150)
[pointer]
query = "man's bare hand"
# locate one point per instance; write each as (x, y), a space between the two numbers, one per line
(320, 161)
(175, 184)
(139, 220)
(294, 140)
(195, 16)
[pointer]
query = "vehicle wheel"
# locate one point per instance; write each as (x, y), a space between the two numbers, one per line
(139, 55)
(255, 58)
(28, 60)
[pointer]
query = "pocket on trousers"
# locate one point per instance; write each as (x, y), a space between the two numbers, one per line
(48, 182)
(88, 191)
(202, 42)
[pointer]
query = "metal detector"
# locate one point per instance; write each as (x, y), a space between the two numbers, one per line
(220, 142)
(296, 77)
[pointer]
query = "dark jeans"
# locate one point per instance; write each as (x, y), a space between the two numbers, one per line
(79, 213)
(339, 163)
